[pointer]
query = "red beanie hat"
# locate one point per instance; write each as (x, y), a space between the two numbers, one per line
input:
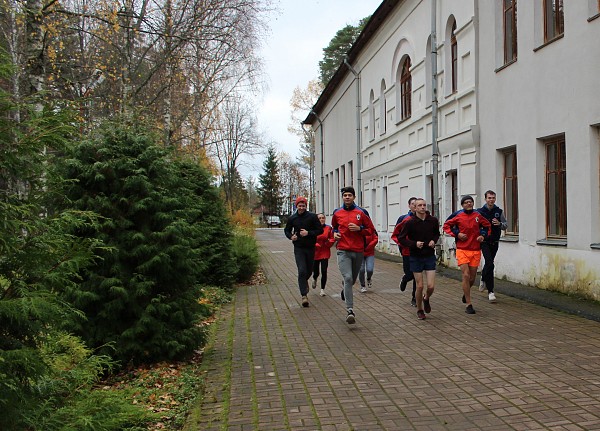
(301, 199)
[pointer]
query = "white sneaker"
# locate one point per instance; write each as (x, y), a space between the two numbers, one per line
(322, 293)
(481, 286)
(369, 284)
(363, 289)
(314, 283)
(492, 297)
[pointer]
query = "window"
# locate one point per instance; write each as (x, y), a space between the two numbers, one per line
(556, 188)
(351, 171)
(384, 209)
(371, 115)
(510, 30)
(430, 196)
(382, 109)
(454, 55)
(511, 192)
(406, 89)
(454, 189)
(554, 22)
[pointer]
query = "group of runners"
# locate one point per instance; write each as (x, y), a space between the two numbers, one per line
(417, 233)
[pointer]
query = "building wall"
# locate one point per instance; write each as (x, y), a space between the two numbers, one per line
(551, 89)
(396, 154)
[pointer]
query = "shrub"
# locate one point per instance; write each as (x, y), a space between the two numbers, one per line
(162, 221)
(245, 253)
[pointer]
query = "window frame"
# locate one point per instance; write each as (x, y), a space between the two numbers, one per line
(556, 19)
(454, 58)
(454, 190)
(406, 90)
(510, 38)
(511, 211)
(558, 202)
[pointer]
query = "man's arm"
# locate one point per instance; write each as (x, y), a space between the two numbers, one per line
(404, 238)
(503, 222)
(288, 227)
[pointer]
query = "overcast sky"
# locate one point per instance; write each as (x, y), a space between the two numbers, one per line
(299, 32)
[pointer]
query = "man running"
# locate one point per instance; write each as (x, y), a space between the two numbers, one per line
(420, 234)
(470, 229)
(302, 228)
(405, 251)
(351, 224)
(489, 247)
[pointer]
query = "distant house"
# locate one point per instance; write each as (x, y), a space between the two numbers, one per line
(518, 112)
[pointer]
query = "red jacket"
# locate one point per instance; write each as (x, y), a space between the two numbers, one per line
(352, 241)
(324, 243)
(472, 224)
(404, 251)
(370, 243)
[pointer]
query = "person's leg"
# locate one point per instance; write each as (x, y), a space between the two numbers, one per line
(361, 274)
(324, 266)
(345, 266)
(303, 270)
(419, 291)
(429, 274)
(370, 268)
(408, 275)
(492, 250)
(357, 261)
(488, 265)
(316, 269)
(466, 283)
(315, 273)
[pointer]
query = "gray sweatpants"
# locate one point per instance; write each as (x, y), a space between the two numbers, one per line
(349, 263)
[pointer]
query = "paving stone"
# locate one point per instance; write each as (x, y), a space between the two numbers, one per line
(514, 365)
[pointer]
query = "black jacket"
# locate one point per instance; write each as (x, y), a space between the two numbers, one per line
(308, 221)
(415, 230)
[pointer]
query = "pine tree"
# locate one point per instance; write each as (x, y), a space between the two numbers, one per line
(270, 187)
(338, 47)
(166, 234)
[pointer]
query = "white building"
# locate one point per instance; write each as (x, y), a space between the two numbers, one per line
(505, 100)
(539, 116)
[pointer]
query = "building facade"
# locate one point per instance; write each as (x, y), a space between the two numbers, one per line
(516, 112)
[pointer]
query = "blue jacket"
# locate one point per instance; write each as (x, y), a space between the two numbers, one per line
(490, 214)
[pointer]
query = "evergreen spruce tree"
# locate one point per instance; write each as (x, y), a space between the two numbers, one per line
(269, 188)
(165, 228)
(46, 374)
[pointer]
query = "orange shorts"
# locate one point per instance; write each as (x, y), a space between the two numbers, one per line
(470, 257)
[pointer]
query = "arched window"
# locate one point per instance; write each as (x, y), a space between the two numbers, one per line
(454, 56)
(406, 89)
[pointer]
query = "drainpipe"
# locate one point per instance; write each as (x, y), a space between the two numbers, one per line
(322, 165)
(358, 127)
(434, 114)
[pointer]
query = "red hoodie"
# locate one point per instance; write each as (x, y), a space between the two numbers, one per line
(404, 251)
(370, 243)
(472, 224)
(352, 241)
(324, 243)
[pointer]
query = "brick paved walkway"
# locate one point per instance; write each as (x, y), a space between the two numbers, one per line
(277, 366)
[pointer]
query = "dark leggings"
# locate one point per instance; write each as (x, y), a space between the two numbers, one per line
(304, 261)
(489, 250)
(323, 264)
